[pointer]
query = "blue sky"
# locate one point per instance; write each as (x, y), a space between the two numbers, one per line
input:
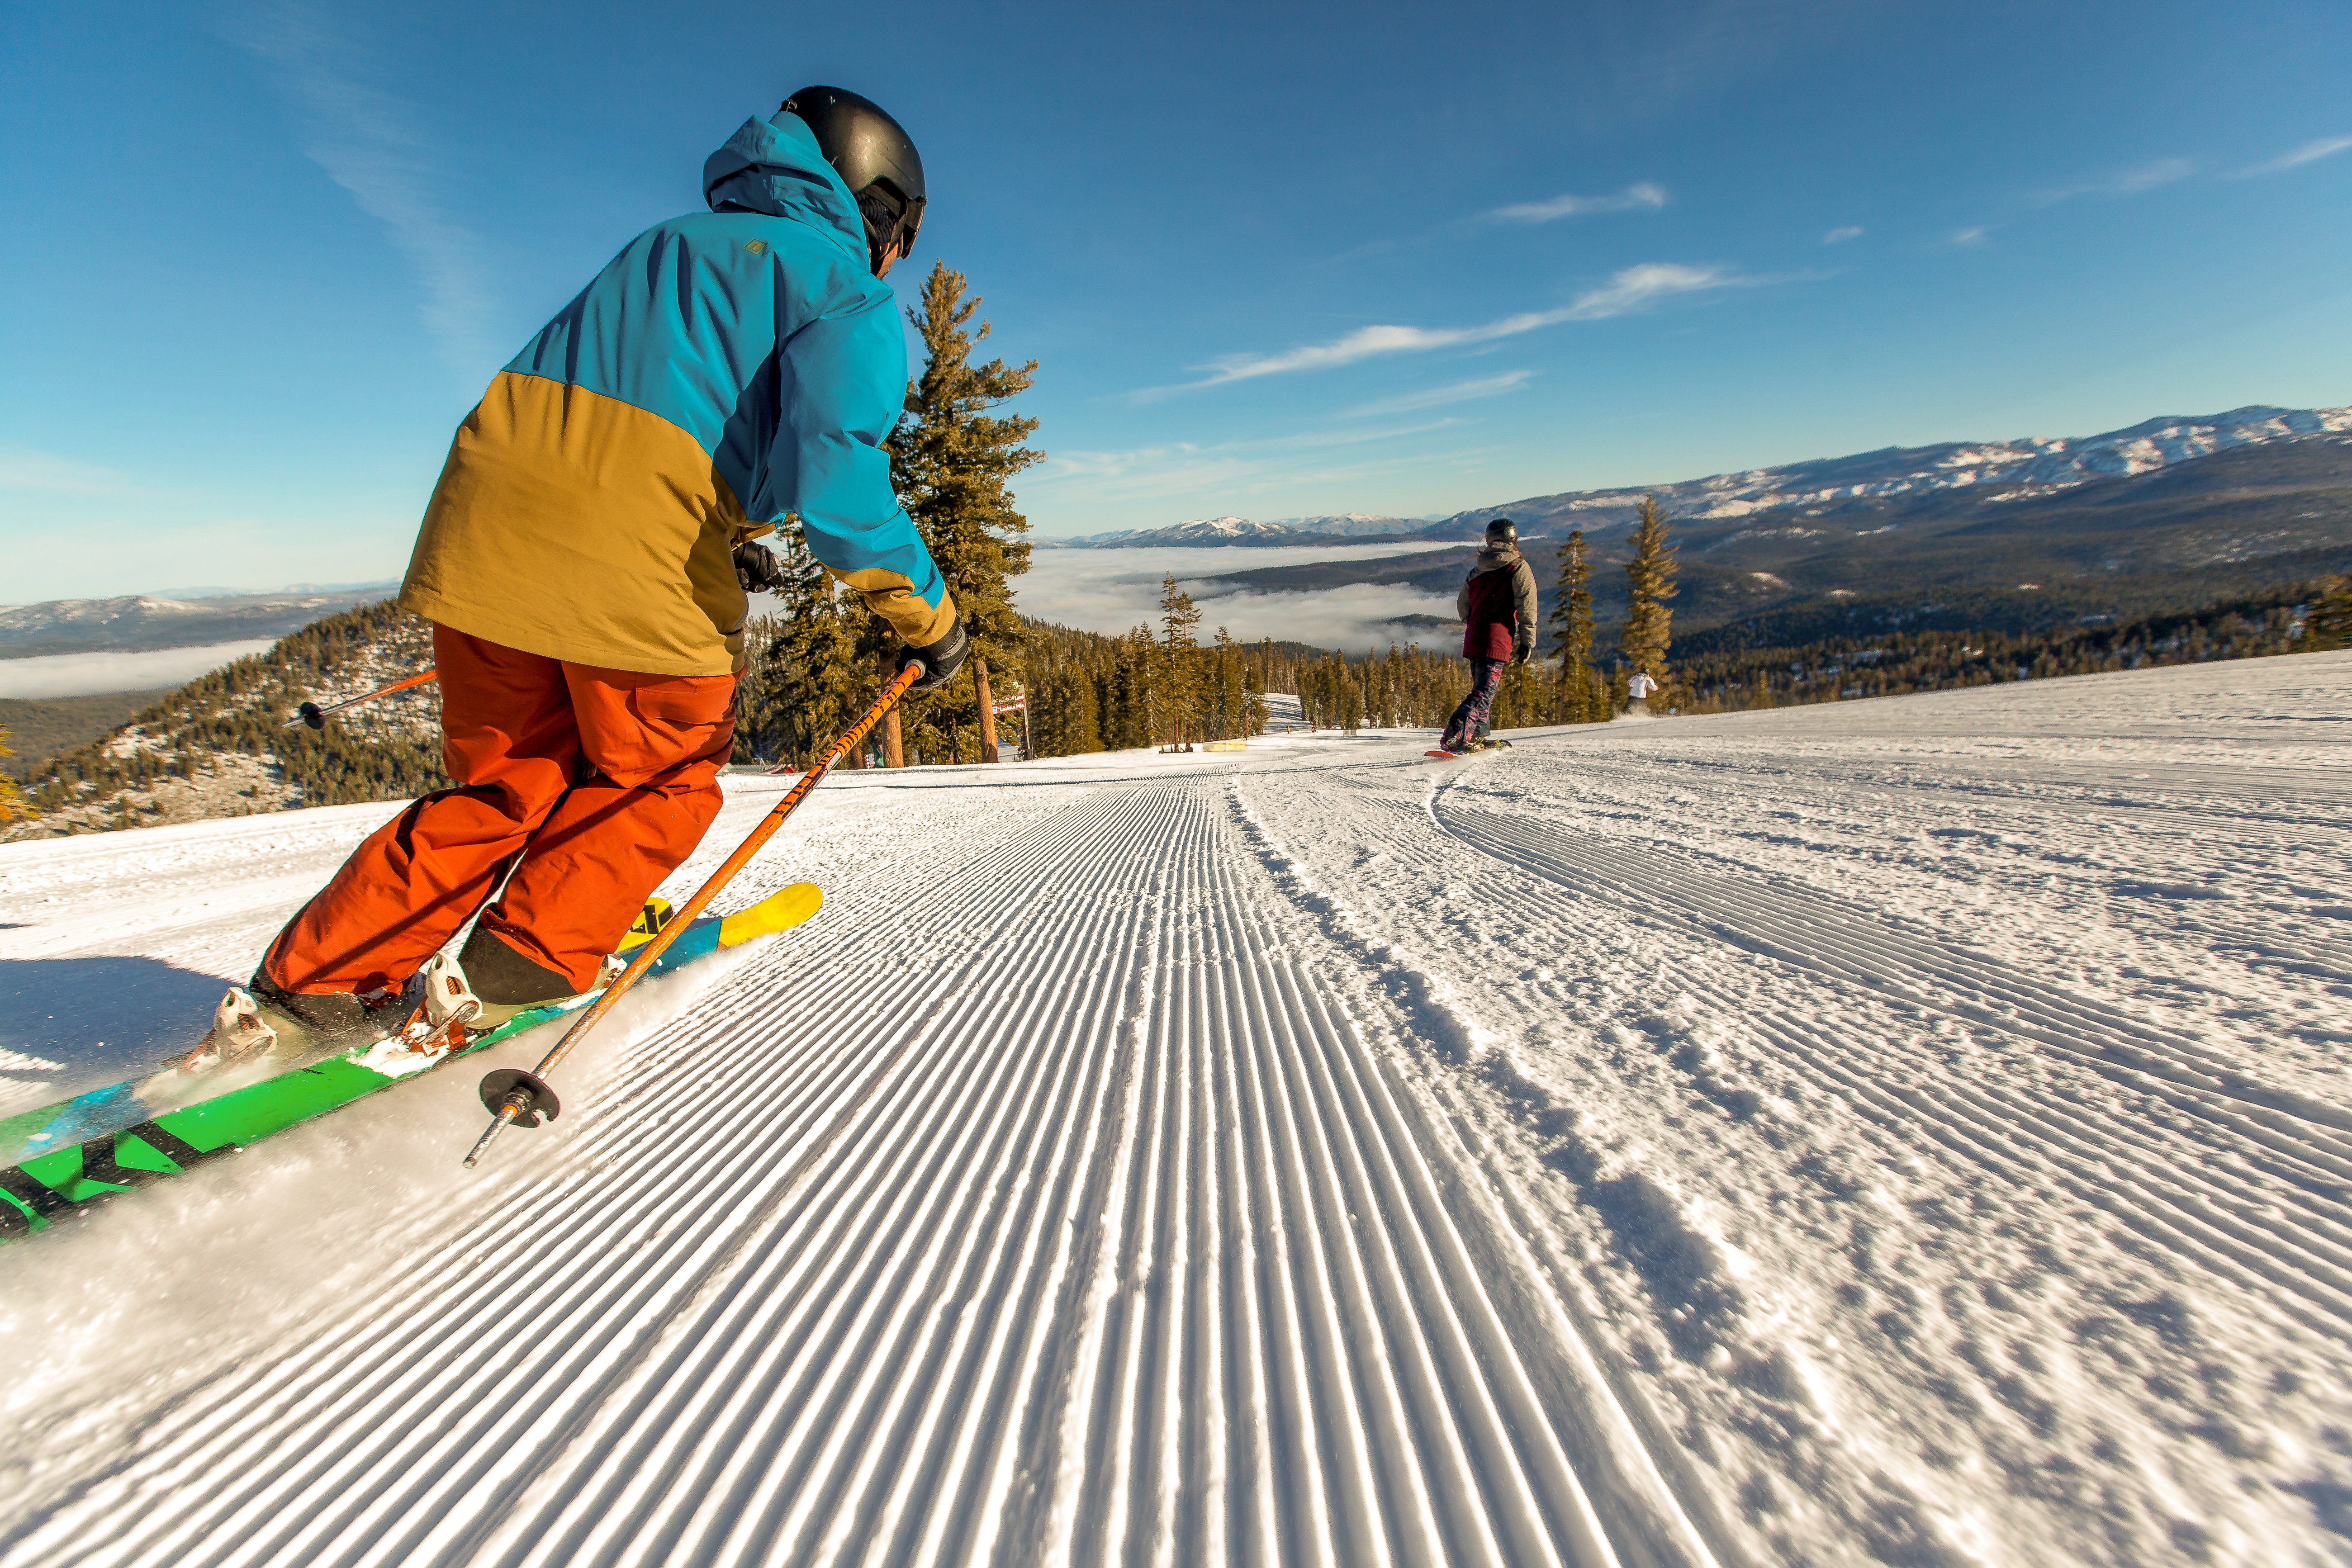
(1274, 259)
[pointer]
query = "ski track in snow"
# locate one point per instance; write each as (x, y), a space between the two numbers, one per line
(1913, 1132)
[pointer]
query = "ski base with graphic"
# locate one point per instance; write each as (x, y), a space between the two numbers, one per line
(112, 1140)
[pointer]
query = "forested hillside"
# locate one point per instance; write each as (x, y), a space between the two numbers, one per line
(1723, 670)
(40, 728)
(218, 746)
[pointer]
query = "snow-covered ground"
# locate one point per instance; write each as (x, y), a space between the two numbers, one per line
(1913, 1132)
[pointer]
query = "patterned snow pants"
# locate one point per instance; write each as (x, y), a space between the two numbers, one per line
(1475, 717)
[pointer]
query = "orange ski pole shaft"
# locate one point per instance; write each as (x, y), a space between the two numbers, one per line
(514, 1095)
(310, 713)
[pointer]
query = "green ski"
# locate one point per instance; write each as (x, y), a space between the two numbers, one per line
(112, 1141)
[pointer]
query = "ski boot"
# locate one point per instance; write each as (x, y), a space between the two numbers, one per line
(511, 984)
(448, 1001)
(446, 1013)
(262, 1015)
(239, 1030)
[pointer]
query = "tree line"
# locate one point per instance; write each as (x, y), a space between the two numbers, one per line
(1166, 688)
(1084, 692)
(2298, 618)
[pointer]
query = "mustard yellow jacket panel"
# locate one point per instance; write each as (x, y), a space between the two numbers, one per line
(728, 369)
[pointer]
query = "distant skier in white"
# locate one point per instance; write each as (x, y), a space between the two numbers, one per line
(1637, 692)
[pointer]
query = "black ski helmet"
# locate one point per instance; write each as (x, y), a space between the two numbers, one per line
(1502, 530)
(874, 158)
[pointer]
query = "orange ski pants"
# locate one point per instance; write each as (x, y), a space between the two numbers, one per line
(599, 781)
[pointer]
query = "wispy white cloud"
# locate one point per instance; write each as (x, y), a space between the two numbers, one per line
(1632, 289)
(2309, 152)
(1642, 197)
(24, 471)
(2129, 182)
(1165, 457)
(1083, 488)
(371, 142)
(1437, 396)
(2147, 177)
(1840, 236)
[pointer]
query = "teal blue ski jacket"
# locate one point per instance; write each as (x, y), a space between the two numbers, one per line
(725, 370)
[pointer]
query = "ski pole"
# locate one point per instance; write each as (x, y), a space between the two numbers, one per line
(310, 713)
(514, 1095)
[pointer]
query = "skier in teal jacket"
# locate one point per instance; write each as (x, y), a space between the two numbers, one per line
(583, 562)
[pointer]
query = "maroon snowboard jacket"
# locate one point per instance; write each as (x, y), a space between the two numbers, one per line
(1496, 604)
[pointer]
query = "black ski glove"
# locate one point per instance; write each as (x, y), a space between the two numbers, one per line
(1520, 651)
(757, 568)
(939, 660)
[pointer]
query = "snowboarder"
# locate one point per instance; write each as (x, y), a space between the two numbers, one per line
(584, 562)
(1497, 608)
(1637, 693)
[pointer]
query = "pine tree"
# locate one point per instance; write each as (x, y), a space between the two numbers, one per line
(1228, 708)
(1526, 698)
(12, 804)
(1132, 688)
(1651, 577)
(1067, 715)
(1084, 732)
(1176, 712)
(761, 718)
(816, 675)
(951, 462)
(1581, 699)
(2329, 621)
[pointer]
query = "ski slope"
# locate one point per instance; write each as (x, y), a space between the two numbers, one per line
(1913, 1132)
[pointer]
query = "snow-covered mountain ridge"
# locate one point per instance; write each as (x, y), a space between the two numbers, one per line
(153, 621)
(1197, 530)
(2017, 469)
(1213, 531)
(1355, 524)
